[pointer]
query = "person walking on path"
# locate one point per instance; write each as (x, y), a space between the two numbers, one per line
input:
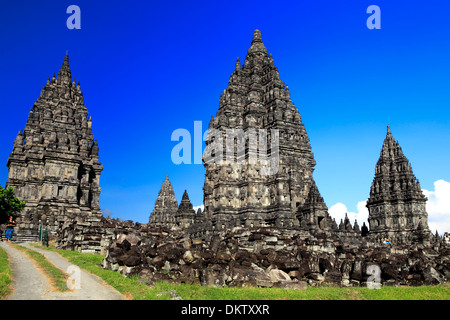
(9, 229)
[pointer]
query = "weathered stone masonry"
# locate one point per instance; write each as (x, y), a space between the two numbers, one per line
(54, 165)
(397, 205)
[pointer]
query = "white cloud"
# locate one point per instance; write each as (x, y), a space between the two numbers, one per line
(438, 207)
(201, 207)
(338, 211)
(106, 211)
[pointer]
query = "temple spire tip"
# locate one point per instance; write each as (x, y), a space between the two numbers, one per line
(257, 36)
(64, 73)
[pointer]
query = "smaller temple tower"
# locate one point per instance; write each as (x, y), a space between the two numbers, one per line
(397, 204)
(166, 206)
(167, 213)
(185, 215)
(313, 215)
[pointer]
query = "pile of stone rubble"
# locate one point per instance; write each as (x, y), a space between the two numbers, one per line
(268, 257)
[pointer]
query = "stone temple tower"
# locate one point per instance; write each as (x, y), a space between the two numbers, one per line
(396, 204)
(166, 206)
(167, 213)
(54, 165)
(257, 118)
(185, 214)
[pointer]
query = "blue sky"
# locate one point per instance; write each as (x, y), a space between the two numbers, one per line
(149, 68)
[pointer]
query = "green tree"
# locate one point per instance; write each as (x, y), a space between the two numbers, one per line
(9, 204)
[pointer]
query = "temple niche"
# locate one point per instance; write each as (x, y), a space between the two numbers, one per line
(54, 165)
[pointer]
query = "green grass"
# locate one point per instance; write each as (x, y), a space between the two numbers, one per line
(133, 289)
(5, 274)
(58, 279)
(196, 292)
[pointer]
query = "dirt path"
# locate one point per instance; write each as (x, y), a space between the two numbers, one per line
(28, 282)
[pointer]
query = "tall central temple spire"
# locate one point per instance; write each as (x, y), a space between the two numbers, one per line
(238, 194)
